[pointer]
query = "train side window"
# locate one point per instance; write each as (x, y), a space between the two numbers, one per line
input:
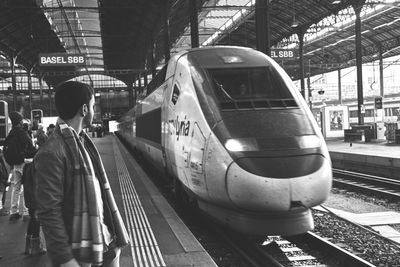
(175, 94)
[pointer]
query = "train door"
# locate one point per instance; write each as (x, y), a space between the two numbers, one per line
(196, 160)
(168, 130)
(4, 126)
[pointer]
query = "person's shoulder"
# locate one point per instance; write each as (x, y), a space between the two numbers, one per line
(53, 144)
(21, 133)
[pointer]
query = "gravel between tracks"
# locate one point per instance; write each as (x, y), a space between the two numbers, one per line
(352, 238)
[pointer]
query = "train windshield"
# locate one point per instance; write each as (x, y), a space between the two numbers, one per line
(234, 86)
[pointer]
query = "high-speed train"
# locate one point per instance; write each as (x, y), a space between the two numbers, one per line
(236, 136)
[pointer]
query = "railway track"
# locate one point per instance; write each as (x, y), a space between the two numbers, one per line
(333, 254)
(304, 250)
(276, 251)
(388, 188)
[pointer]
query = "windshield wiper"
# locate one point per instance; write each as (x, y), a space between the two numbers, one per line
(220, 86)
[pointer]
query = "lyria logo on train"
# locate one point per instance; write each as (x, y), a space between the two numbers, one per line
(181, 127)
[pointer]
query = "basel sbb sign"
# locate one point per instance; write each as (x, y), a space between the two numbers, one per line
(57, 59)
(283, 53)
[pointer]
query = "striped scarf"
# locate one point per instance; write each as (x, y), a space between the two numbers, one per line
(87, 236)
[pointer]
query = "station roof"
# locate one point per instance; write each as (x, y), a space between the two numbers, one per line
(118, 37)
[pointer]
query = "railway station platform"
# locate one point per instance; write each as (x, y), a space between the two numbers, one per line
(379, 158)
(158, 236)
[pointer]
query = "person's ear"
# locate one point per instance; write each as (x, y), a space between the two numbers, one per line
(84, 110)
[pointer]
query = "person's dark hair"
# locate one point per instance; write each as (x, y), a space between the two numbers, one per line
(15, 118)
(70, 96)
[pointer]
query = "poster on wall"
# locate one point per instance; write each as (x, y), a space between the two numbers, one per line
(335, 120)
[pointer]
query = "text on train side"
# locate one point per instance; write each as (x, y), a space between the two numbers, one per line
(181, 127)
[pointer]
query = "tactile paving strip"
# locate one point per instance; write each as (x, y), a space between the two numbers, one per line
(144, 247)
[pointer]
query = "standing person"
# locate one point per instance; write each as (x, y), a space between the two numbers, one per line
(50, 129)
(33, 243)
(4, 183)
(41, 136)
(77, 210)
(17, 146)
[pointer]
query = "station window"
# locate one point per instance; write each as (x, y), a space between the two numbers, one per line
(388, 112)
(369, 113)
(353, 113)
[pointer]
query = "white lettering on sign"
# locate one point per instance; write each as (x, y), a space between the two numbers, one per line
(76, 59)
(60, 59)
(282, 53)
(52, 60)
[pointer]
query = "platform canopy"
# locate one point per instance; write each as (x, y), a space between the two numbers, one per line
(124, 38)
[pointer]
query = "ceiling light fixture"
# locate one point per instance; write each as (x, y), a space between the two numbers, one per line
(295, 22)
(336, 2)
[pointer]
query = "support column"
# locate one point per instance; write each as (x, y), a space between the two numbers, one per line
(145, 81)
(267, 29)
(152, 60)
(381, 87)
(261, 24)
(166, 31)
(29, 76)
(41, 90)
(140, 83)
(309, 90)
(301, 62)
(360, 97)
(14, 82)
(194, 24)
(130, 95)
(340, 86)
(134, 94)
(49, 93)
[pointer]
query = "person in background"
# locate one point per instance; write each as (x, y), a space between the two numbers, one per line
(76, 208)
(41, 136)
(27, 150)
(25, 126)
(50, 129)
(4, 184)
(34, 245)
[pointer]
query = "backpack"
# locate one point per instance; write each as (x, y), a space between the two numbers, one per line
(13, 154)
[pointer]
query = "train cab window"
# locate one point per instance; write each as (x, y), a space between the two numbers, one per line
(241, 84)
(175, 94)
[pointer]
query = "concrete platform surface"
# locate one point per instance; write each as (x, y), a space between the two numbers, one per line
(159, 237)
(376, 148)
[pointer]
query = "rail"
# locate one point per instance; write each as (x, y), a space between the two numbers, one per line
(385, 187)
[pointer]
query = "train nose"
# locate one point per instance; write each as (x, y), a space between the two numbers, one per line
(257, 193)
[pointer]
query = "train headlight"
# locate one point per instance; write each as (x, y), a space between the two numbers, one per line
(308, 141)
(241, 144)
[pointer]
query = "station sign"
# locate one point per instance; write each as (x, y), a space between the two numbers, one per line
(283, 53)
(362, 107)
(61, 59)
(378, 102)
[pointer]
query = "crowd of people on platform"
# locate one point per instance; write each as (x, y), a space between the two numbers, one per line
(58, 184)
